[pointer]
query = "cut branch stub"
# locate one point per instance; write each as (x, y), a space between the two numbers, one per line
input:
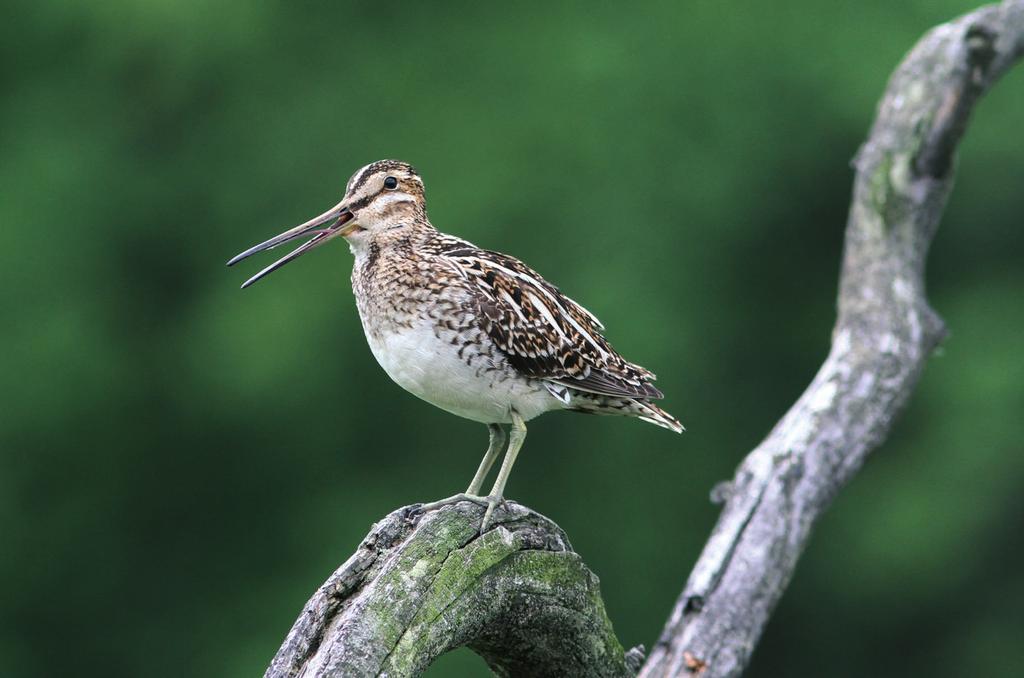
(422, 585)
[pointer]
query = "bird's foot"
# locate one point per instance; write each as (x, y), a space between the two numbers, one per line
(454, 499)
(490, 503)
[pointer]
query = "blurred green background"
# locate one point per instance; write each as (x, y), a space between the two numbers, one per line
(182, 463)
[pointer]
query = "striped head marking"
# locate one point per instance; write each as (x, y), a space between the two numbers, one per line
(384, 195)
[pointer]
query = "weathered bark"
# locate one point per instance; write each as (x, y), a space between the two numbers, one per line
(422, 585)
(884, 334)
(521, 598)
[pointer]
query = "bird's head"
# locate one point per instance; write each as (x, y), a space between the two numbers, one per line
(382, 199)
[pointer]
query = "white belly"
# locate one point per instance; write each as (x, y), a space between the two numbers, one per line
(431, 368)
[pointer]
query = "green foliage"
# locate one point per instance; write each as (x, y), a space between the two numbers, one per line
(183, 463)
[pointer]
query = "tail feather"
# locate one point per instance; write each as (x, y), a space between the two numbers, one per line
(653, 414)
(644, 410)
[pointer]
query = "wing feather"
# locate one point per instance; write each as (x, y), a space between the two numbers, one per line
(543, 333)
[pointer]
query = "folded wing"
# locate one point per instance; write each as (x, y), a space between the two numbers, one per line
(543, 333)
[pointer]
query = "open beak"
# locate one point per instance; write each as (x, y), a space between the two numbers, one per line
(335, 219)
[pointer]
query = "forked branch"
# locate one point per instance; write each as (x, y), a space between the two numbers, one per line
(522, 599)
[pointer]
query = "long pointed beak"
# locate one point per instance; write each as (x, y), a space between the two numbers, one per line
(339, 215)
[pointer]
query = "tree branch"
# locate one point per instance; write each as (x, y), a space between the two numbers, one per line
(522, 599)
(422, 585)
(884, 333)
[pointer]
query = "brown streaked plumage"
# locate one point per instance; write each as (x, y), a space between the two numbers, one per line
(475, 332)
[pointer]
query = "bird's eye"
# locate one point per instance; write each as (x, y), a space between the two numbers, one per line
(391, 183)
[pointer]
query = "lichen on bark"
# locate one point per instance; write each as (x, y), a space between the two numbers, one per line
(421, 585)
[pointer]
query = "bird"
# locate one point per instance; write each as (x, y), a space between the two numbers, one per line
(472, 331)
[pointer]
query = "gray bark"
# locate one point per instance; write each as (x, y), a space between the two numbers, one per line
(884, 334)
(421, 585)
(522, 599)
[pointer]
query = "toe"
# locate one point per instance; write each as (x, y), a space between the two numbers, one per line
(455, 499)
(492, 503)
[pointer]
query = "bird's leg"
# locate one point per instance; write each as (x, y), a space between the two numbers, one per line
(472, 493)
(497, 442)
(516, 437)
